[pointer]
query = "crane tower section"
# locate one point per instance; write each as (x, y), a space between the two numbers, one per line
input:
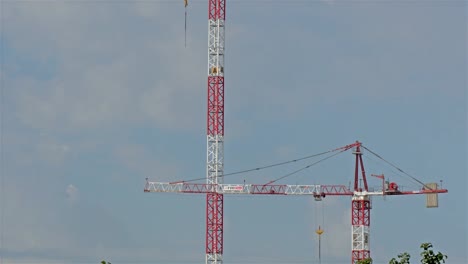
(215, 115)
(360, 227)
(215, 130)
(360, 212)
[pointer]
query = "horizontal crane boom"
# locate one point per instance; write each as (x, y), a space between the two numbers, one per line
(181, 187)
(277, 189)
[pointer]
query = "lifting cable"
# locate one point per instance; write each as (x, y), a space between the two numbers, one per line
(323, 213)
(319, 212)
(185, 4)
(321, 226)
(267, 167)
(391, 164)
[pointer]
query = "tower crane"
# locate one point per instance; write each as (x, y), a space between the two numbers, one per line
(215, 188)
(360, 201)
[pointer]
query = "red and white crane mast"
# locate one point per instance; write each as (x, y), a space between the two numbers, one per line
(215, 130)
(360, 212)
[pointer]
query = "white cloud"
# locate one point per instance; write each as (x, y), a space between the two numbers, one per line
(146, 9)
(285, 152)
(108, 69)
(102, 75)
(334, 217)
(339, 236)
(145, 164)
(329, 2)
(54, 153)
(29, 217)
(72, 193)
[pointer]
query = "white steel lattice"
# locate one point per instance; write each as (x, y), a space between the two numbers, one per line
(214, 258)
(215, 47)
(360, 237)
(215, 159)
(246, 188)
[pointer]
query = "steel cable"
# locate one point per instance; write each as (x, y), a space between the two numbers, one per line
(303, 168)
(261, 168)
(400, 170)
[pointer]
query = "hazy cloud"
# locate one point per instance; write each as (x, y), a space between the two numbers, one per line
(72, 193)
(101, 75)
(102, 93)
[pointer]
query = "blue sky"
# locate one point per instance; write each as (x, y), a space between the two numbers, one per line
(99, 95)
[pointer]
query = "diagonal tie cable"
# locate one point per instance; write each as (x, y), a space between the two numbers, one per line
(306, 167)
(400, 170)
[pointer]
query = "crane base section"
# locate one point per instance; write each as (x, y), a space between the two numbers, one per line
(360, 221)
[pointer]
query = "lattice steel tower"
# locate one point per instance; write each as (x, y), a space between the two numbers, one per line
(215, 130)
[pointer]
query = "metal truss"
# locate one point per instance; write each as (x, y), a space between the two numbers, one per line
(314, 190)
(360, 221)
(214, 258)
(215, 159)
(215, 131)
(214, 228)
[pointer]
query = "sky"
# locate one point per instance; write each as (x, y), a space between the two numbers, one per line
(96, 96)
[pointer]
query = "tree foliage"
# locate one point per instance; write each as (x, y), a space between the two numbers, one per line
(428, 256)
(365, 261)
(403, 258)
(104, 262)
